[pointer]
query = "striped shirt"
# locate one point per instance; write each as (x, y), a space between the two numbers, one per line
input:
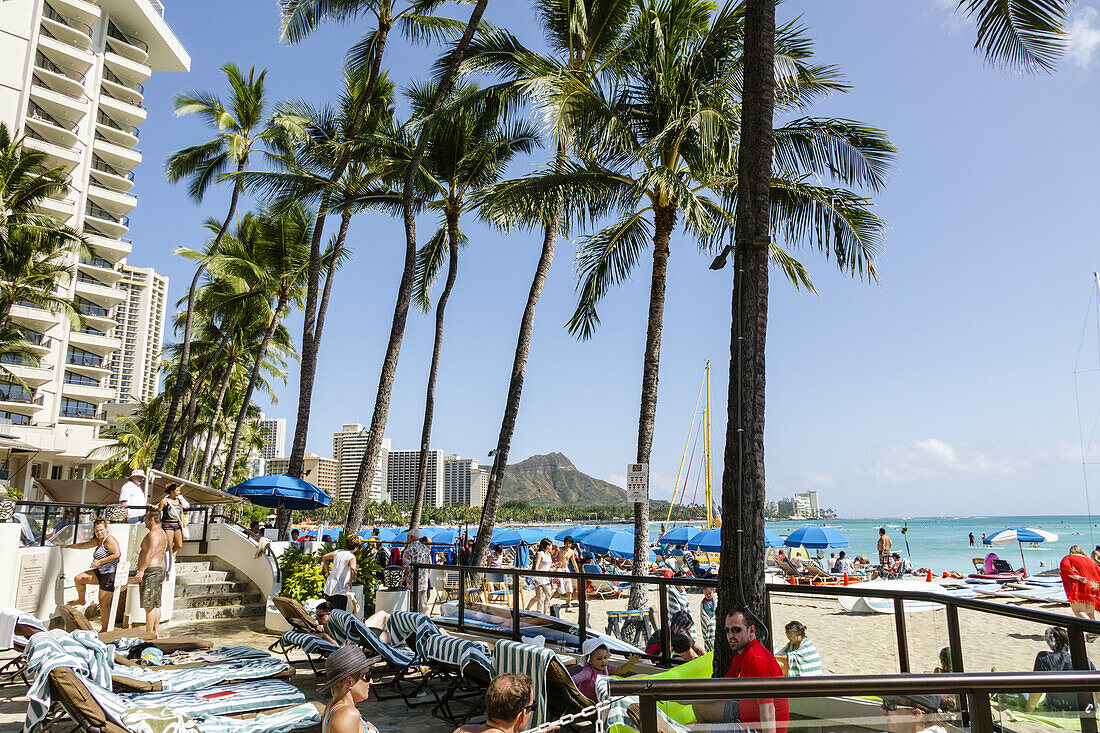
(805, 661)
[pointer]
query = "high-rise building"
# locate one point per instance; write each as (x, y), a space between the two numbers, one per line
(464, 482)
(257, 466)
(141, 318)
(70, 86)
(321, 472)
(403, 472)
(348, 447)
(273, 430)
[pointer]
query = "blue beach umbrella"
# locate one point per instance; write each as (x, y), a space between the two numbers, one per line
(772, 539)
(401, 535)
(611, 542)
(576, 533)
(816, 538)
(678, 535)
(282, 491)
(710, 540)
(1020, 535)
(446, 536)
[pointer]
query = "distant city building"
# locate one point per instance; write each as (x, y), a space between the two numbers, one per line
(805, 505)
(348, 447)
(273, 430)
(71, 76)
(141, 318)
(257, 466)
(464, 482)
(321, 472)
(403, 472)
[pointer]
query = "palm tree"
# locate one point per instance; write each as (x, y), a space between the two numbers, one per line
(585, 38)
(416, 21)
(240, 127)
(471, 145)
(1028, 35)
(273, 258)
(133, 439)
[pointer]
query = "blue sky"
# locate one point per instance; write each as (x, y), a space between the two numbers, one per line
(946, 388)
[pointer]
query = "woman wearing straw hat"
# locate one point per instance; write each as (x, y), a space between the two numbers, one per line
(347, 675)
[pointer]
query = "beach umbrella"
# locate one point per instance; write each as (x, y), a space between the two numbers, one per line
(401, 535)
(1020, 535)
(710, 540)
(678, 535)
(446, 536)
(816, 538)
(281, 491)
(772, 539)
(576, 532)
(610, 542)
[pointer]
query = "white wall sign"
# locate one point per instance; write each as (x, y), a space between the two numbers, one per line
(28, 587)
(637, 481)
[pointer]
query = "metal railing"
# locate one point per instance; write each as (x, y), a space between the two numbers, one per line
(84, 360)
(99, 165)
(43, 62)
(99, 212)
(113, 77)
(20, 360)
(974, 689)
(116, 34)
(48, 12)
(97, 262)
(103, 119)
(136, 101)
(46, 533)
(35, 112)
(82, 413)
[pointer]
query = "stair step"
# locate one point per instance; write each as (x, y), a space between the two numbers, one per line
(180, 615)
(204, 578)
(192, 566)
(188, 590)
(219, 600)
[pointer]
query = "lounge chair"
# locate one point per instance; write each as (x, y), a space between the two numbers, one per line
(95, 709)
(21, 627)
(305, 634)
(74, 619)
(401, 663)
(555, 693)
(602, 586)
(467, 666)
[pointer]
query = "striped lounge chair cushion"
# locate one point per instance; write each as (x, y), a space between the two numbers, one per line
(515, 657)
(349, 629)
(81, 651)
(404, 625)
(618, 720)
(231, 699)
(192, 678)
(456, 651)
(309, 643)
(151, 720)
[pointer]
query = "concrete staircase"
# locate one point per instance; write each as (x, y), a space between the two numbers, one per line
(209, 589)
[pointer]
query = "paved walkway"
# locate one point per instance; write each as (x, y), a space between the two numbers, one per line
(391, 715)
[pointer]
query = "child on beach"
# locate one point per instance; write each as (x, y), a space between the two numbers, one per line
(595, 664)
(706, 615)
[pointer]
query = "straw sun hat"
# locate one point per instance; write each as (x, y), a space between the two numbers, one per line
(345, 662)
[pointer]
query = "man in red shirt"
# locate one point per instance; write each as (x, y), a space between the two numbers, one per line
(750, 659)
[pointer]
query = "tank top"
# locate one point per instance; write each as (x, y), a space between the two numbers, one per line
(338, 582)
(324, 720)
(172, 512)
(543, 561)
(101, 552)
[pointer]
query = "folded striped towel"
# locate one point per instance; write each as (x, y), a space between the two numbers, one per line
(81, 651)
(192, 678)
(516, 657)
(309, 643)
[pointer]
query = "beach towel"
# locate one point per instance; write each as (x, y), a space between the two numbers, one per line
(455, 651)
(347, 628)
(405, 625)
(309, 643)
(124, 646)
(617, 717)
(9, 619)
(678, 601)
(516, 657)
(192, 678)
(707, 623)
(81, 651)
(805, 661)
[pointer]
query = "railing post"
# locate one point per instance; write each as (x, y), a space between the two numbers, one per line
(582, 613)
(666, 630)
(903, 639)
(45, 525)
(461, 597)
(767, 617)
(981, 717)
(648, 712)
(204, 543)
(1079, 655)
(414, 602)
(516, 598)
(954, 639)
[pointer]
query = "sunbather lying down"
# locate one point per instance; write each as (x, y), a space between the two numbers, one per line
(377, 622)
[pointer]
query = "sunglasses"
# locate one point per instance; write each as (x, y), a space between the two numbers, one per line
(530, 708)
(734, 629)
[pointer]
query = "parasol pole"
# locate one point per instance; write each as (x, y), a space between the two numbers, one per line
(904, 533)
(1023, 562)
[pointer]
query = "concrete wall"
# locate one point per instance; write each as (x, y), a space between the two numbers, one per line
(239, 550)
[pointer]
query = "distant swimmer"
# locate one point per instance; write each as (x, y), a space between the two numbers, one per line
(971, 539)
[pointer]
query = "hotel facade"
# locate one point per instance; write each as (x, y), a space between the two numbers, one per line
(71, 75)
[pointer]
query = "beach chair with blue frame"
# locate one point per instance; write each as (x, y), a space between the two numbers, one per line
(603, 585)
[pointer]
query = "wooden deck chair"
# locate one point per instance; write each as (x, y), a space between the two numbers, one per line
(72, 694)
(305, 634)
(979, 564)
(820, 577)
(602, 586)
(73, 618)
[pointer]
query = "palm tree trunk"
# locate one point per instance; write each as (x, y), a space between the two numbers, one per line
(215, 417)
(429, 399)
(192, 410)
(491, 501)
(185, 354)
(741, 576)
(314, 316)
(252, 380)
(309, 372)
(664, 221)
(363, 482)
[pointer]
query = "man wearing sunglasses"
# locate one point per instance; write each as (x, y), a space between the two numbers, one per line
(750, 659)
(509, 705)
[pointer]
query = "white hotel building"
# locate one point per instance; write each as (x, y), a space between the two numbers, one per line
(71, 75)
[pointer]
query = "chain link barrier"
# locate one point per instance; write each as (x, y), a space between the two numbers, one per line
(598, 710)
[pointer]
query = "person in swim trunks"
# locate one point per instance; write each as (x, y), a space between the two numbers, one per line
(150, 570)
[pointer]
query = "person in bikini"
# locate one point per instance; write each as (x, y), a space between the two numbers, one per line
(171, 518)
(102, 573)
(347, 676)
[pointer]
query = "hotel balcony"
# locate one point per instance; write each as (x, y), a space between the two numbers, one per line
(33, 317)
(37, 343)
(118, 88)
(106, 222)
(100, 269)
(116, 203)
(95, 316)
(111, 180)
(100, 293)
(65, 28)
(27, 369)
(94, 340)
(82, 10)
(133, 73)
(63, 209)
(16, 398)
(52, 129)
(65, 55)
(107, 247)
(126, 45)
(86, 393)
(60, 83)
(116, 156)
(112, 131)
(57, 156)
(127, 115)
(88, 364)
(56, 103)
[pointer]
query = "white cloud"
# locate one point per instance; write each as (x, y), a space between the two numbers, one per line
(952, 20)
(816, 480)
(931, 458)
(1084, 36)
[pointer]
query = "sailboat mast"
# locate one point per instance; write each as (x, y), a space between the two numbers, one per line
(706, 449)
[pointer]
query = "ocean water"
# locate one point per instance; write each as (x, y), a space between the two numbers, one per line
(942, 543)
